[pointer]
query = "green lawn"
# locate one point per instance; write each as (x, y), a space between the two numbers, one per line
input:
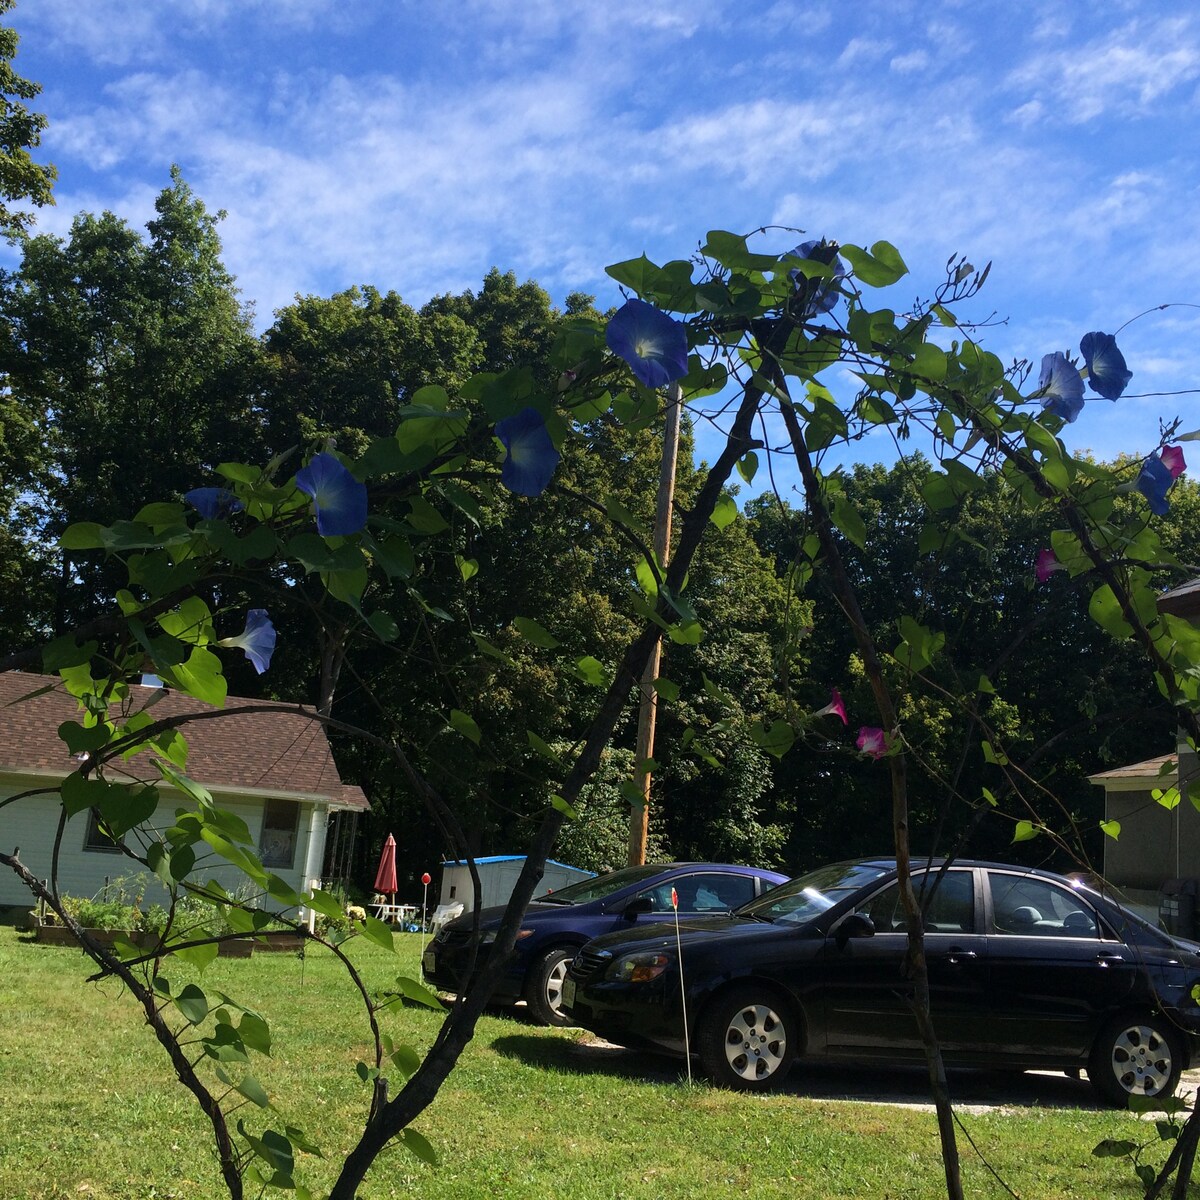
(88, 1107)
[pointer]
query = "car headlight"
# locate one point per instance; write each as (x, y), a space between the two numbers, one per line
(488, 936)
(638, 968)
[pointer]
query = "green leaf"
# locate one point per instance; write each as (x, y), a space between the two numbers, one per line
(418, 993)
(557, 802)
(83, 535)
(486, 647)
(644, 574)
(384, 625)
(668, 690)
(419, 1145)
(1111, 829)
(193, 1003)
(465, 725)
(376, 931)
(406, 1060)
(724, 511)
(200, 957)
(985, 686)
(532, 632)
(325, 904)
(776, 740)
(747, 466)
(591, 671)
(848, 519)
(543, 748)
(255, 1033)
(639, 274)
(1114, 1148)
(992, 755)
(989, 797)
(467, 567)
(686, 633)
(82, 740)
(878, 268)
(200, 677)
(1025, 831)
(1169, 799)
(1106, 612)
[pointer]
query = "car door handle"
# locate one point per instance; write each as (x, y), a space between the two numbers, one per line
(1106, 957)
(956, 955)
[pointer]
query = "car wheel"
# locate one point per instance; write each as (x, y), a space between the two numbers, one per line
(544, 984)
(747, 1040)
(1137, 1055)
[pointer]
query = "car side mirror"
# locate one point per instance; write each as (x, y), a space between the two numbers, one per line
(635, 908)
(856, 925)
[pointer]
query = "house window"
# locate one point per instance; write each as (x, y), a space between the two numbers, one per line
(281, 819)
(96, 839)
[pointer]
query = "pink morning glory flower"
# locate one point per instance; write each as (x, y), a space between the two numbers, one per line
(835, 707)
(339, 499)
(652, 343)
(531, 458)
(872, 740)
(1172, 457)
(1047, 564)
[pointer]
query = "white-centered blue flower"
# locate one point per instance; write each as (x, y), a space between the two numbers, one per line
(1060, 387)
(257, 640)
(339, 499)
(1108, 376)
(653, 344)
(531, 459)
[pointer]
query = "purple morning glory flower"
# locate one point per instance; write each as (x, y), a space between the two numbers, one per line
(1154, 481)
(835, 707)
(339, 498)
(1172, 457)
(1047, 563)
(531, 459)
(1060, 387)
(652, 343)
(212, 503)
(257, 640)
(1107, 374)
(872, 740)
(825, 295)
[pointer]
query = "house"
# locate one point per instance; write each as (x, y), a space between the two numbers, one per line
(1156, 856)
(1158, 842)
(273, 768)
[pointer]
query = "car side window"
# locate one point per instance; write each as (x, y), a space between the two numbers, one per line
(1023, 904)
(951, 908)
(702, 893)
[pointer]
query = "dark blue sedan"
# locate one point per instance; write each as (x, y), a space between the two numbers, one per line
(558, 923)
(1026, 970)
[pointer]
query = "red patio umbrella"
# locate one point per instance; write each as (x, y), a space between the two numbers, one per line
(385, 877)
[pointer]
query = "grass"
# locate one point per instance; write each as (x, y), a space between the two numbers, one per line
(89, 1108)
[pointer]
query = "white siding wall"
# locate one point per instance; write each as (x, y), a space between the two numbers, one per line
(31, 823)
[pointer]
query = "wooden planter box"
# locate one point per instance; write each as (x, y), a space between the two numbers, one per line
(60, 935)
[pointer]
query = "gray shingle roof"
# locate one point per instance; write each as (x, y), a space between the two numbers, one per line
(281, 750)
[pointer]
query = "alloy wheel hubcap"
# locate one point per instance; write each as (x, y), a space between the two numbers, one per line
(1141, 1061)
(755, 1042)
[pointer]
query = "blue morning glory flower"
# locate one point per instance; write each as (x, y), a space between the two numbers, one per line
(652, 343)
(1154, 481)
(339, 498)
(531, 458)
(1060, 387)
(825, 295)
(257, 640)
(212, 503)
(1107, 374)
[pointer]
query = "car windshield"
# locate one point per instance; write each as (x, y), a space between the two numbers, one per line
(600, 886)
(800, 900)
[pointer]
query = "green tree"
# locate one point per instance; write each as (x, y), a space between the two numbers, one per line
(20, 131)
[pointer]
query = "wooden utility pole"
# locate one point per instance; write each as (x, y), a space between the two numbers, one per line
(639, 818)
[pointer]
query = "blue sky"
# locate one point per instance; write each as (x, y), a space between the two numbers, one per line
(412, 146)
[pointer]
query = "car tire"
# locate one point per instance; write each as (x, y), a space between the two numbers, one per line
(748, 1039)
(543, 985)
(1135, 1055)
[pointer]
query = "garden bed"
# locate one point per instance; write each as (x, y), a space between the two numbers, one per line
(284, 940)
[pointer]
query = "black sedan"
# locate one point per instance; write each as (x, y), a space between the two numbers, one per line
(1026, 970)
(558, 923)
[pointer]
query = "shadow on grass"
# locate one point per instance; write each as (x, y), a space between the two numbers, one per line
(836, 1082)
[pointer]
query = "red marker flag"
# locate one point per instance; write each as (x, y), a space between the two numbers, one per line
(674, 900)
